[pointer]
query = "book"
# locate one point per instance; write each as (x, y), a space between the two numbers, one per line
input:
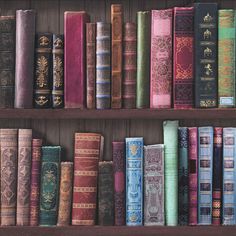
(183, 57)
(205, 163)
(154, 185)
(205, 56)
(161, 59)
(7, 59)
(49, 185)
(170, 129)
(74, 31)
(24, 69)
(134, 181)
(143, 59)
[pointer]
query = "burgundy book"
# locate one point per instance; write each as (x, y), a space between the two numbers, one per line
(75, 58)
(183, 57)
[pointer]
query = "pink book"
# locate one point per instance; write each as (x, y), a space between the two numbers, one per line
(161, 59)
(75, 69)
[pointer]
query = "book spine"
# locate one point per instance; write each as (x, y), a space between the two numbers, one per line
(24, 70)
(171, 171)
(154, 185)
(161, 59)
(205, 162)
(58, 71)
(103, 66)
(134, 181)
(226, 58)
(49, 185)
(143, 59)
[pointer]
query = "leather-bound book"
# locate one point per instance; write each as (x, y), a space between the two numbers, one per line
(105, 193)
(7, 61)
(58, 71)
(118, 153)
(8, 147)
(161, 59)
(116, 60)
(35, 181)
(75, 58)
(65, 196)
(49, 185)
(91, 64)
(43, 70)
(129, 65)
(86, 157)
(24, 70)
(23, 177)
(143, 59)
(205, 60)
(103, 66)
(183, 57)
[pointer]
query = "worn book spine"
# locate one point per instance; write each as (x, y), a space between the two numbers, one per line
(154, 185)
(205, 59)
(171, 171)
(143, 59)
(129, 65)
(7, 59)
(58, 71)
(35, 181)
(65, 195)
(8, 148)
(134, 181)
(49, 185)
(75, 68)
(86, 157)
(161, 59)
(183, 57)
(24, 68)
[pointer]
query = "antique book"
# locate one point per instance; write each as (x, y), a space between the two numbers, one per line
(143, 59)
(58, 71)
(23, 177)
(170, 129)
(74, 30)
(134, 181)
(103, 66)
(183, 197)
(205, 162)
(105, 193)
(193, 174)
(183, 57)
(154, 185)
(35, 181)
(129, 65)
(86, 157)
(116, 55)
(43, 72)
(161, 59)
(24, 69)
(7, 59)
(8, 148)
(205, 59)
(49, 185)
(65, 195)
(226, 58)
(91, 64)
(118, 153)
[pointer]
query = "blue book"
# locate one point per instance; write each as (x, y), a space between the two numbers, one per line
(134, 181)
(205, 166)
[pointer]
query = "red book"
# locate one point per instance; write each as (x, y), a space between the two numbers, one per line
(75, 69)
(183, 57)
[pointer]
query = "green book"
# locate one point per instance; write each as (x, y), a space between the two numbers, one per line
(143, 59)
(49, 187)
(171, 171)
